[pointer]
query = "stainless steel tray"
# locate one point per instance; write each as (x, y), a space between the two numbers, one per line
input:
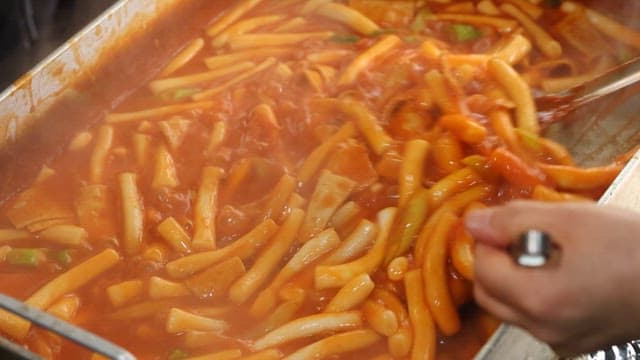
(93, 70)
(512, 343)
(99, 54)
(598, 134)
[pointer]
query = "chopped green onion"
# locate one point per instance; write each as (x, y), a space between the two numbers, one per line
(381, 32)
(63, 257)
(480, 165)
(410, 220)
(178, 354)
(180, 94)
(345, 38)
(464, 32)
(24, 257)
(411, 39)
(420, 21)
(418, 24)
(530, 140)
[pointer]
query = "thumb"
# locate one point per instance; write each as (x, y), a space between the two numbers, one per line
(481, 225)
(499, 226)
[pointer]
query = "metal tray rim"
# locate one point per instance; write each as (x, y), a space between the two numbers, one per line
(62, 49)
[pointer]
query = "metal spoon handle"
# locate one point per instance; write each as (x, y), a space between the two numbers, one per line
(608, 83)
(64, 329)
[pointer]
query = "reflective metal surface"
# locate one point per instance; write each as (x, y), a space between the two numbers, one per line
(532, 249)
(510, 342)
(32, 29)
(612, 81)
(596, 137)
(81, 337)
(33, 94)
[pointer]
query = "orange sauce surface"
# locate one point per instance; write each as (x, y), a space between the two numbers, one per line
(392, 87)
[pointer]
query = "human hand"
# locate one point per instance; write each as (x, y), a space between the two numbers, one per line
(586, 300)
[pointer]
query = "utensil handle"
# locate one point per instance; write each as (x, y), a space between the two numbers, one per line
(608, 83)
(64, 329)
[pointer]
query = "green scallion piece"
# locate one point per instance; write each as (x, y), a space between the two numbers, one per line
(63, 257)
(181, 94)
(420, 21)
(530, 140)
(411, 39)
(24, 257)
(345, 38)
(381, 32)
(480, 165)
(408, 224)
(464, 32)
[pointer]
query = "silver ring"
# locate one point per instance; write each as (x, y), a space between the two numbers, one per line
(532, 249)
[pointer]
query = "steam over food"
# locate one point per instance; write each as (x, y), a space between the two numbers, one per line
(293, 183)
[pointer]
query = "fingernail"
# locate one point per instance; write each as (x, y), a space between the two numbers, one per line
(478, 221)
